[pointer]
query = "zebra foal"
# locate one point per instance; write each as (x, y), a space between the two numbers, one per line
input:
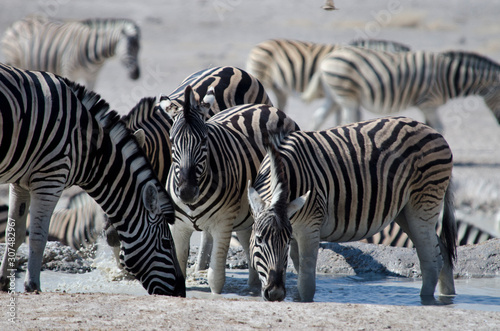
(76, 50)
(55, 134)
(386, 83)
(346, 184)
(212, 162)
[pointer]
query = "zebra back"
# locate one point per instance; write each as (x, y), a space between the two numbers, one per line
(232, 87)
(348, 169)
(288, 64)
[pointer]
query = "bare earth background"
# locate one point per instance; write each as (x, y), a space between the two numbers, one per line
(181, 37)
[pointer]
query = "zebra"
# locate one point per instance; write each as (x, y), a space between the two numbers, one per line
(232, 86)
(386, 83)
(55, 134)
(73, 49)
(211, 162)
(348, 183)
(151, 116)
(393, 235)
(285, 66)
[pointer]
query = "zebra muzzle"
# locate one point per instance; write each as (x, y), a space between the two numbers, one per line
(275, 290)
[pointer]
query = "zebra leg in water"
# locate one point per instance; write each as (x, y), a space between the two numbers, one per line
(15, 232)
(41, 206)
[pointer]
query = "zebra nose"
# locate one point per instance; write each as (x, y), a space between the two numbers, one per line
(135, 73)
(274, 293)
(188, 194)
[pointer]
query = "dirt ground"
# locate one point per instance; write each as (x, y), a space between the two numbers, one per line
(179, 38)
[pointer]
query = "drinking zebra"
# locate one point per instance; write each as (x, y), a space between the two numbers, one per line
(151, 116)
(212, 162)
(346, 184)
(286, 66)
(73, 49)
(386, 83)
(55, 134)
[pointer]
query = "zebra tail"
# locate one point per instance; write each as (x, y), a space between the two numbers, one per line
(313, 89)
(449, 229)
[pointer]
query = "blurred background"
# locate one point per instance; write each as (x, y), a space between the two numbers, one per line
(180, 37)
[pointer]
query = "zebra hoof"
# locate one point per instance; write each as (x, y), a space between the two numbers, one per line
(30, 286)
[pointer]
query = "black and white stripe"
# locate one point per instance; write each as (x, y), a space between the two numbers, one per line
(212, 162)
(73, 49)
(56, 134)
(287, 66)
(356, 180)
(386, 83)
(393, 235)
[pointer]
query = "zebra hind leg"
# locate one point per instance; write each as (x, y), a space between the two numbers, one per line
(422, 231)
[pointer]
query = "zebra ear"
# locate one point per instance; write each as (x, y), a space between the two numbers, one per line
(208, 101)
(140, 136)
(150, 197)
(296, 204)
(254, 199)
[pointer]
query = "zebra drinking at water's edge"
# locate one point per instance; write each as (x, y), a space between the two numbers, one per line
(346, 184)
(55, 134)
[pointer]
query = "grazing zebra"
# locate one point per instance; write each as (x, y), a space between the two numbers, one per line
(73, 49)
(352, 181)
(393, 235)
(285, 66)
(386, 83)
(212, 162)
(55, 134)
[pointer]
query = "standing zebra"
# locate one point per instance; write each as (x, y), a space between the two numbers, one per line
(386, 83)
(285, 66)
(73, 49)
(352, 181)
(55, 134)
(212, 162)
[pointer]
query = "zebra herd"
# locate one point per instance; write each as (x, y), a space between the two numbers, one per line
(216, 156)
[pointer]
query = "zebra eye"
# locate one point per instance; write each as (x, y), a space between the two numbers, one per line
(258, 240)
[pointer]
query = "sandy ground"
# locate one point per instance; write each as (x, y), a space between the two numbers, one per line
(182, 37)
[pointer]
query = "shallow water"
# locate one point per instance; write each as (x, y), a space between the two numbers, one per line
(473, 294)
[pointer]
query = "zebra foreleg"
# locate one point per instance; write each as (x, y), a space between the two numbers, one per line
(15, 233)
(217, 270)
(181, 233)
(204, 252)
(41, 209)
(322, 113)
(308, 254)
(432, 119)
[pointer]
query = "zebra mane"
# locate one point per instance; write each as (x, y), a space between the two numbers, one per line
(279, 182)
(97, 106)
(142, 111)
(102, 23)
(472, 59)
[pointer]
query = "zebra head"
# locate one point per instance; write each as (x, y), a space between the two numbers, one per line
(128, 48)
(189, 137)
(272, 231)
